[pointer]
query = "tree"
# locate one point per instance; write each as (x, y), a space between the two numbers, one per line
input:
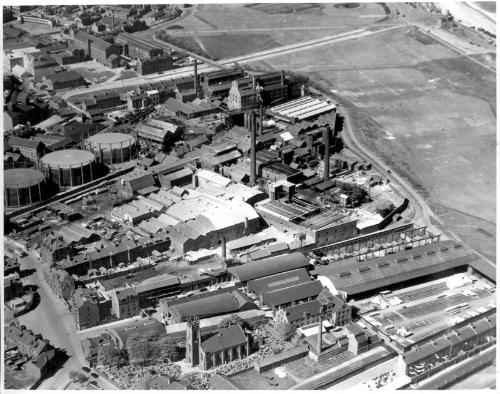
(231, 321)
(285, 331)
(147, 350)
(110, 355)
(79, 377)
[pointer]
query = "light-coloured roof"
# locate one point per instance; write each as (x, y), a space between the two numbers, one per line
(68, 158)
(111, 140)
(22, 177)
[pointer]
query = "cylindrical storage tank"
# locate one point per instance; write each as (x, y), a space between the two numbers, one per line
(67, 168)
(111, 148)
(23, 186)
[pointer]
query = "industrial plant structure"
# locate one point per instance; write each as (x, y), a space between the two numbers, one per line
(23, 186)
(111, 148)
(68, 168)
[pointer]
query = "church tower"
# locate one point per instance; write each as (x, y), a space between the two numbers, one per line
(193, 341)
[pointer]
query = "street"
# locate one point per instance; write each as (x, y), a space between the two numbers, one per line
(54, 322)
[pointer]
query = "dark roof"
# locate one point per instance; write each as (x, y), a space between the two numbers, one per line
(209, 306)
(293, 293)
(270, 266)
(224, 339)
(24, 142)
(141, 181)
(278, 281)
(64, 76)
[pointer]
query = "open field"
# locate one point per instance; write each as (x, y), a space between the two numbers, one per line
(428, 112)
(236, 29)
(236, 44)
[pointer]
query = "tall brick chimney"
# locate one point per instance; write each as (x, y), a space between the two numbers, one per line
(326, 142)
(195, 75)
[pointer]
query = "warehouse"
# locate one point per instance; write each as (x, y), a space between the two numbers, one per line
(270, 266)
(137, 49)
(68, 168)
(208, 306)
(111, 148)
(278, 281)
(357, 278)
(204, 220)
(63, 80)
(23, 186)
(301, 109)
(157, 134)
(292, 295)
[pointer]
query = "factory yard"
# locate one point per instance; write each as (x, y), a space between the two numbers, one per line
(407, 98)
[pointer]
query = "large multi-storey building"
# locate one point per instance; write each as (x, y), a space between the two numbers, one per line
(137, 49)
(153, 65)
(96, 48)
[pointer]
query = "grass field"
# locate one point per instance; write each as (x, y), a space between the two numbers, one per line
(238, 29)
(236, 44)
(427, 112)
(284, 8)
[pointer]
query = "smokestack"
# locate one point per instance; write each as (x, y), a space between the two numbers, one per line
(282, 77)
(261, 120)
(223, 247)
(326, 141)
(196, 75)
(113, 20)
(253, 82)
(253, 153)
(320, 333)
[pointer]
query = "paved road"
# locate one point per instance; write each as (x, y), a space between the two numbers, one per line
(53, 320)
(211, 32)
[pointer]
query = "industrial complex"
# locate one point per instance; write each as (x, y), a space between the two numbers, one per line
(174, 221)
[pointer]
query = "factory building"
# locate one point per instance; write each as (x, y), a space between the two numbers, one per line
(137, 49)
(23, 186)
(30, 149)
(68, 168)
(111, 148)
(63, 80)
(203, 220)
(205, 306)
(247, 92)
(304, 108)
(271, 266)
(97, 48)
(154, 65)
(326, 307)
(157, 134)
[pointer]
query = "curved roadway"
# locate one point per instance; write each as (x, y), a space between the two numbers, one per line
(422, 210)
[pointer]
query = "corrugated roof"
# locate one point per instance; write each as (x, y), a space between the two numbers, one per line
(292, 293)
(278, 281)
(354, 277)
(270, 266)
(209, 306)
